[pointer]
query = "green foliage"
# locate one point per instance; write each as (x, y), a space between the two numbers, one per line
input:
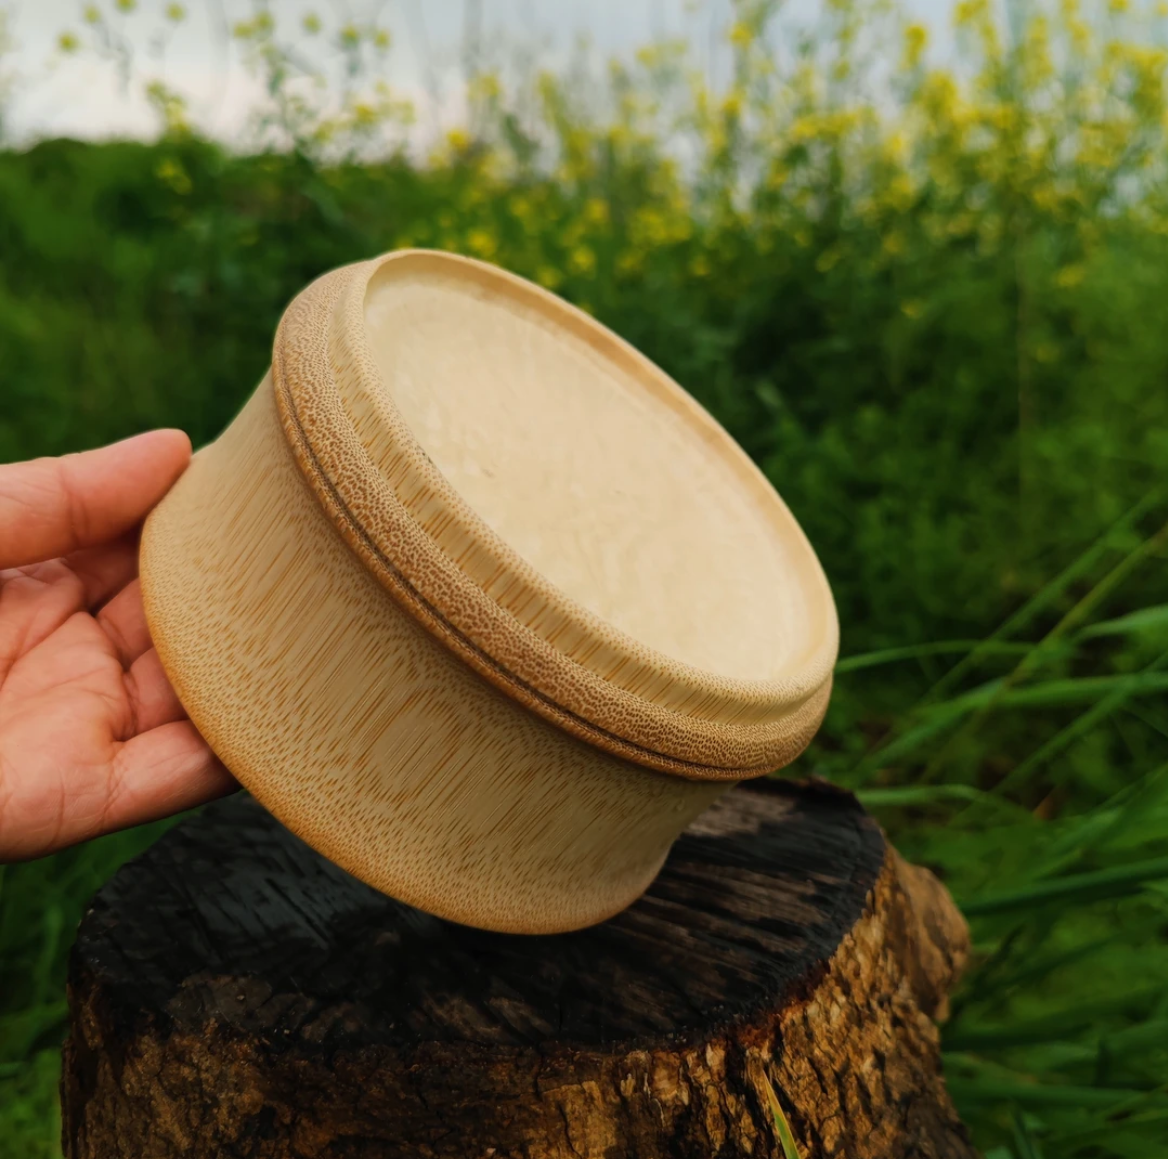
(942, 331)
(41, 903)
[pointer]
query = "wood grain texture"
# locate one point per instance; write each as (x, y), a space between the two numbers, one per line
(475, 591)
(234, 994)
(466, 740)
(366, 736)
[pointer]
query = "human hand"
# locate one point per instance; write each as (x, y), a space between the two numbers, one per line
(92, 736)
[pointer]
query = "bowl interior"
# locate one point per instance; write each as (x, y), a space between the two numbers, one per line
(594, 466)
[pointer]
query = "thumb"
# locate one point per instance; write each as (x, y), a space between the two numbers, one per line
(51, 507)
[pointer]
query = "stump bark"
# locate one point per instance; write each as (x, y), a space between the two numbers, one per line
(234, 994)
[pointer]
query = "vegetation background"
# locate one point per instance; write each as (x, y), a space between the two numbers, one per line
(930, 299)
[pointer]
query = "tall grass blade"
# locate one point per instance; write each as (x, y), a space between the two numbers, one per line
(782, 1127)
(1103, 883)
(905, 796)
(1024, 1142)
(1045, 596)
(1133, 623)
(916, 651)
(1044, 1095)
(1125, 688)
(1029, 663)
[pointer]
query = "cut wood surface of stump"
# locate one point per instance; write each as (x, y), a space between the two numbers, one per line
(232, 993)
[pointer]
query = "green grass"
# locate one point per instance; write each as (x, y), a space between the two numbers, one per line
(1056, 1045)
(41, 903)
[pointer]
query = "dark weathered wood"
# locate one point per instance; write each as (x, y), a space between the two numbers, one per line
(233, 994)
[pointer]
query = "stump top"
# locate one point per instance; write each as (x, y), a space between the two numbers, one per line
(234, 996)
(231, 918)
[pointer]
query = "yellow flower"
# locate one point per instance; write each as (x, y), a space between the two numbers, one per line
(175, 13)
(92, 14)
(582, 260)
(458, 140)
(596, 211)
(630, 262)
(913, 308)
(256, 28)
(125, 5)
(548, 276)
(67, 42)
(311, 23)
(961, 225)
(829, 259)
(649, 228)
(1037, 64)
(170, 172)
(900, 193)
(486, 86)
(1118, 7)
(893, 244)
(364, 114)
(916, 39)
(732, 104)
(381, 39)
(1069, 277)
(1046, 198)
(741, 34)
(350, 36)
(481, 243)
(966, 12)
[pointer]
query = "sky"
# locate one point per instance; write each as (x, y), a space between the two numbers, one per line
(81, 95)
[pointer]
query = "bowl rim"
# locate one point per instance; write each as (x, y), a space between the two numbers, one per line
(449, 569)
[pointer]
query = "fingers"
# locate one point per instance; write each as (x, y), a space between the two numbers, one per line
(36, 600)
(152, 699)
(154, 775)
(53, 507)
(161, 772)
(123, 620)
(105, 570)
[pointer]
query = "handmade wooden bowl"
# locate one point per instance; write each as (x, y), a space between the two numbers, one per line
(479, 602)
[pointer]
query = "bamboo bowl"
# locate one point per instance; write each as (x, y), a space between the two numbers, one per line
(479, 602)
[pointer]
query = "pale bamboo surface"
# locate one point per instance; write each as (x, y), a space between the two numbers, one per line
(365, 735)
(474, 590)
(603, 485)
(479, 602)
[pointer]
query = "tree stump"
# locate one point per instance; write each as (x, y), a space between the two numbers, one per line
(234, 994)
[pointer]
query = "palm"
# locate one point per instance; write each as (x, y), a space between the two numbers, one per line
(92, 737)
